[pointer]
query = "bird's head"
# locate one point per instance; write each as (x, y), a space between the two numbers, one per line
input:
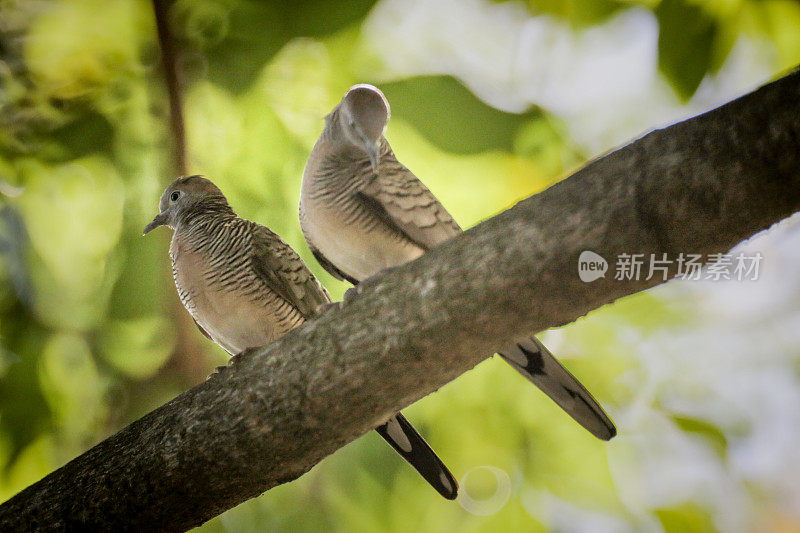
(186, 195)
(362, 116)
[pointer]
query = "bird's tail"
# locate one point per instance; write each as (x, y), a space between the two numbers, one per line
(402, 436)
(534, 361)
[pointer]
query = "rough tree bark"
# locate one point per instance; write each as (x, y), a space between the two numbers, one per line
(700, 186)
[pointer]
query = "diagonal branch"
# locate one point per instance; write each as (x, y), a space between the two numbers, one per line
(700, 186)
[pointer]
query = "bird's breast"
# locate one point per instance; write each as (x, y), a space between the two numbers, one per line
(353, 238)
(236, 316)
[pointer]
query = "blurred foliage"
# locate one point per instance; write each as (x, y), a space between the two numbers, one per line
(580, 12)
(436, 119)
(686, 44)
(695, 36)
(91, 334)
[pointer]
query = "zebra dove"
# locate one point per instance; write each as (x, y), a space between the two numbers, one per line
(244, 287)
(362, 211)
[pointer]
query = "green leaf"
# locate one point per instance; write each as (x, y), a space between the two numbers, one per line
(89, 133)
(708, 431)
(453, 118)
(686, 518)
(240, 37)
(782, 20)
(25, 412)
(579, 13)
(686, 40)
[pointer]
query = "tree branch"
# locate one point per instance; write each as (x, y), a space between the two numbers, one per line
(169, 62)
(187, 338)
(700, 186)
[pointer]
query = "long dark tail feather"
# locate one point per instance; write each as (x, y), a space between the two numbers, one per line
(402, 436)
(535, 362)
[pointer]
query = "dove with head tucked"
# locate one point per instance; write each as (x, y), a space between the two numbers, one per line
(362, 211)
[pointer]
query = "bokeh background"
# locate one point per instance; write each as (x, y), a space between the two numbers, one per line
(491, 102)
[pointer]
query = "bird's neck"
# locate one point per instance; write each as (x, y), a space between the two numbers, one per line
(206, 218)
(335, 143)
(209, 208)
(340, 161)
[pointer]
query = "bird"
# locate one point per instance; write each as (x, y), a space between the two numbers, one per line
(245, 287)
(363, 212)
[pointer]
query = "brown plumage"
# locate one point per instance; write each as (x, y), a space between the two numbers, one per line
(245, 288)
(362, 211)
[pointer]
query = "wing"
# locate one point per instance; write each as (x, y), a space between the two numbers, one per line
(535, 362)
(204, 332)
(285, 273)
(330, 268)
(405, 440)
(398, 197)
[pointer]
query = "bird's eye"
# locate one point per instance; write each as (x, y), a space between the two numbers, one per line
(174, 196)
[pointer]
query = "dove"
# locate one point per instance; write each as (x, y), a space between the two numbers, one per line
(363, 212)
(245, 287)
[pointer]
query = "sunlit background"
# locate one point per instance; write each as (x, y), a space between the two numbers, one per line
(491, 102)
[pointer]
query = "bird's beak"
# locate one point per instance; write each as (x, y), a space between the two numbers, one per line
(373, 151)
(160, 220)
